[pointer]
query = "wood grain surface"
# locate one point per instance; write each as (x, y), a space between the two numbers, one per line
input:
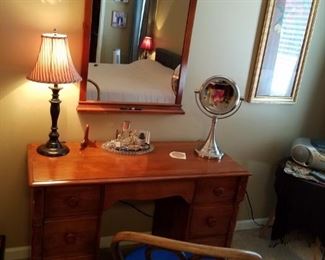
(95, 165)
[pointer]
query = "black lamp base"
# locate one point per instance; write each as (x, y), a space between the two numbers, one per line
(53, 149)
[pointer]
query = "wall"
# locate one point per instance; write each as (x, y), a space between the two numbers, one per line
(170, 24)
(222, 43)
(116, 38)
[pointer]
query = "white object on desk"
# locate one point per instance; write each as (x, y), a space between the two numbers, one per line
(178, 155)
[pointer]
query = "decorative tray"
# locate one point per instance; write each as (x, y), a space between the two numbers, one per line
(115, 147)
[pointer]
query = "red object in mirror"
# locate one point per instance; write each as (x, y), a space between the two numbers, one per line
(146, 45)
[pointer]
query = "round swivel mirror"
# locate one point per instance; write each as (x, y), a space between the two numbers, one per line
(217, 98)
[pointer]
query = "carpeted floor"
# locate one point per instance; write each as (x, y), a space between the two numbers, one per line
(297, 247)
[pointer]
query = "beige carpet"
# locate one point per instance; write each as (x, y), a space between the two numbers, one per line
(297, 247)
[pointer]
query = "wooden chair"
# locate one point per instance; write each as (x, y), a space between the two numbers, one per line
(178, 248)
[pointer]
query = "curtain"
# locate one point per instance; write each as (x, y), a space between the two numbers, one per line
(142, 25)
(94, 30)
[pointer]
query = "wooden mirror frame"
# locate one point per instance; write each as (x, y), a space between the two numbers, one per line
(97, 106)
(252, 95)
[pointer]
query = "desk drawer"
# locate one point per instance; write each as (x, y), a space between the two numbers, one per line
(208, 221)
(70, 238)
(69, 201)
(217, 189)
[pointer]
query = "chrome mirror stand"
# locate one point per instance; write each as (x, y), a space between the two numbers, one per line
(218, 98)
(210, 148)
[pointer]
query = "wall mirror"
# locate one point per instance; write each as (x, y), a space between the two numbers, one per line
(282, 49)
(135, 55)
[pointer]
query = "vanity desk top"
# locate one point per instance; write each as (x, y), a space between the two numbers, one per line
(95, 165)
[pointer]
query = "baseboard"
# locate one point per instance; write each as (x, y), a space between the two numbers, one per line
(15, 253)
(250, 224)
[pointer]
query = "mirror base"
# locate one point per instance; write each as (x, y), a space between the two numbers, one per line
(86, 106)
(210, 149)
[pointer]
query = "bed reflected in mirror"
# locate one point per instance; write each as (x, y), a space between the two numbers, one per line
(140, 81)
(135, 55)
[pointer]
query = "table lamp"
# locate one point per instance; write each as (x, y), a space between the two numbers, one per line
(54, 65)
(146, 45)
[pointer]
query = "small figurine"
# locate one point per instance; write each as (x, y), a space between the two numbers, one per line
(86, 142)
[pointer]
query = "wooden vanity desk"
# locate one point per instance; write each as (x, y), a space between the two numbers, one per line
(195, 199)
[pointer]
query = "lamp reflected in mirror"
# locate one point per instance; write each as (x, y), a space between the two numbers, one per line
(146, 46)
(282, 50)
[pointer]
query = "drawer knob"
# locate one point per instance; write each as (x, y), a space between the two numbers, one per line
(70, 238)
(218, 191)
(73, 201)
(212, 221)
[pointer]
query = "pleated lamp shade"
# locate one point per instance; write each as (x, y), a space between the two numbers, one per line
(54, 63)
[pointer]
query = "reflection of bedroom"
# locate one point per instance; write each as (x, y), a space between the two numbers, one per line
(150, 79)
(118, 71)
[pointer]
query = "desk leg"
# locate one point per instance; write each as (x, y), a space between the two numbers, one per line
(37, 203)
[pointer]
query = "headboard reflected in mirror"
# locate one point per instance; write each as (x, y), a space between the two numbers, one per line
(130, 82)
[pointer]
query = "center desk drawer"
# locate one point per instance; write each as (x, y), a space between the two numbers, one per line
(149, 190)
(72, 200)
(212, 190)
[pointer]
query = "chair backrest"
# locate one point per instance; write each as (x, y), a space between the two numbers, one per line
(179, 246)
